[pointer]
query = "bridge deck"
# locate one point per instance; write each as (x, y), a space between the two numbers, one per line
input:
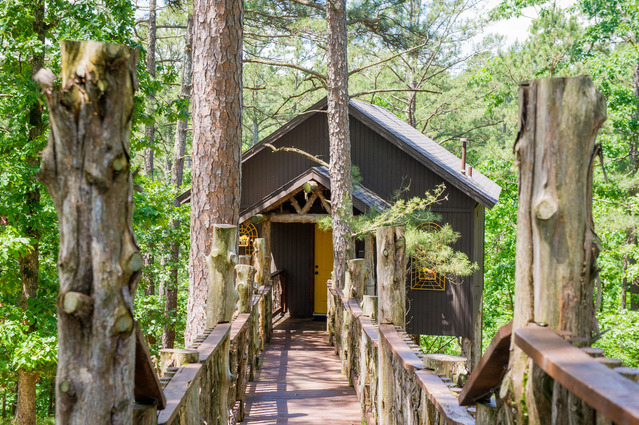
(300, 380)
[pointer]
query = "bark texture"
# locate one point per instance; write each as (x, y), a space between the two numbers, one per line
(556, 244)
(217, 138)
(391, 275)
(222, 297)
(339, 138)
(86, 168)
(177, 174)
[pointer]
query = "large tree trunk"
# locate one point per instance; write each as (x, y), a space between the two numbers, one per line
(217, 139)
(556, 243)
(149, 132)
(86, 168)
(340, 139)
(29, 262)
(177, 173)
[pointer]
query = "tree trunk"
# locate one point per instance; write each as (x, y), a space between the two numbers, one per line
(149, 131)
(624, 282)
(391, 275)
(556, 243)
(339, 138)
(29, 262)
(151, 68)
(177, 173)
(217, 139)
(86, 169)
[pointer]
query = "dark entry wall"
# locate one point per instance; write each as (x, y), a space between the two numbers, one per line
(292, 250)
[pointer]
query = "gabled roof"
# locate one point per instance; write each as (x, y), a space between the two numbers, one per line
(363, 199)
(410, 140)
(427, 151)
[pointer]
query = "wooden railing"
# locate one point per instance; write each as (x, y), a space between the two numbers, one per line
(208, 380)
(598, 381)
(278, 283)
(415, 394)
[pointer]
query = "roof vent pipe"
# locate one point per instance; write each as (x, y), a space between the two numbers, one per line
(470, 171)
(463, 164)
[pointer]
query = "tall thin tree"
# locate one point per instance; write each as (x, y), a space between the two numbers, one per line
(177, 173)
(217, 139)
(339, 137)
(150, 130)
(29, 261)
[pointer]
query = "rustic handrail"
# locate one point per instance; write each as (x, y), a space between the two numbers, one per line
(374, 337)
(602, 388)
(224, 357)
(279, 301)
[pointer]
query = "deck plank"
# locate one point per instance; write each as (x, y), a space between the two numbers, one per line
(300, 380)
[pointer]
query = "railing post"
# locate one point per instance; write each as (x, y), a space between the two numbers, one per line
(244, 287)
(556, 244)
(355, 282)
(222, 299)
(391, 283)
(86, 168)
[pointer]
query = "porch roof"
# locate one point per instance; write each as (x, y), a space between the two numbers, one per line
(364, 199)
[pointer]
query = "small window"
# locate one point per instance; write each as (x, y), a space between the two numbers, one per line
(422, 279)
(248, 233)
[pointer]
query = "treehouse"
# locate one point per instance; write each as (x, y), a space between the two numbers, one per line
(285, 193)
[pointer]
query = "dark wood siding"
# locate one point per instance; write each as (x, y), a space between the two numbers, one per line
(384, 169)
(291, 247)
(448, 312)
(267, 171)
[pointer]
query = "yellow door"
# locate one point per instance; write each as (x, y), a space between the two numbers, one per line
(322, 268)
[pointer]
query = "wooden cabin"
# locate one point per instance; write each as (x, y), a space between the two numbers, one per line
(391, 155)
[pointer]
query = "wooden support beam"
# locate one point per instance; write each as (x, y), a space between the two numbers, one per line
(296, 205)
(309, 203)
(296, 218)
(325, 203)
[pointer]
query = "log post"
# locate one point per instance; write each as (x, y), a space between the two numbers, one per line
(355, 282)
(260, 262)
(391, 275)
(370, 306)
(266, 235)
(86, 169)
(369, 258)
(244, 287)
(391, 285)
(222, 298)
(556, 244)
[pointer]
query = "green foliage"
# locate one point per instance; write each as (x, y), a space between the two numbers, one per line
(428, 247)
(621, 341)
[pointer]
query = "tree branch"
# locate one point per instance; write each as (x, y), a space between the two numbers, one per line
(287, 65)
(468, 131)
(310, 4)
(395, 90)
(299, 151)
(361, 68)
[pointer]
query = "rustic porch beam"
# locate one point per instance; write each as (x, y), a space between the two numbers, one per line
(325, 203)
(296, 218)
(309, 203)
(296, 205)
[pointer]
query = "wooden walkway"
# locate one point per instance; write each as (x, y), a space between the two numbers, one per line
(300, 380)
